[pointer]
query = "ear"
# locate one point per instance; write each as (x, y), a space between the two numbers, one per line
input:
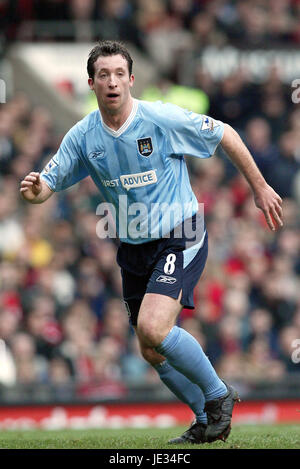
(131, 80)
(91, 83)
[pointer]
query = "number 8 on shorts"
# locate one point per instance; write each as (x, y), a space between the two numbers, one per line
(169, 266)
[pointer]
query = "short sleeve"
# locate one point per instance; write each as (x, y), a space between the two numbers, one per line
(193, 134)
(66, 167)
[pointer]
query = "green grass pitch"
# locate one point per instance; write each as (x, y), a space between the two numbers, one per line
(241, 437)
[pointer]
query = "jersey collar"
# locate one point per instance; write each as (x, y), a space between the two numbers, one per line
(121, 130)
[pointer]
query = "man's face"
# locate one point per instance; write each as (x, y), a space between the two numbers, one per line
(111, 83)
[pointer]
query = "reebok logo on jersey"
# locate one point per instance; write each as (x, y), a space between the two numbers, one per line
(95, 154)
(131, 181)
(165, 279)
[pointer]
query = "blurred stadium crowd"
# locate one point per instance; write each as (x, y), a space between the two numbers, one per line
(248, 22)
(61, 313)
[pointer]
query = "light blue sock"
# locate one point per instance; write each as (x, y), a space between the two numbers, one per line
(185, 354)
(183, 388)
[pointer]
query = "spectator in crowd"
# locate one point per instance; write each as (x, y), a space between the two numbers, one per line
(265, 153)
(80, 14)
(30, 366)
(287, 165)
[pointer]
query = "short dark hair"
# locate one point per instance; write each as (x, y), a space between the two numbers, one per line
(105, 49)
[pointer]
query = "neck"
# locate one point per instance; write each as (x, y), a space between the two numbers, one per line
(115, 119)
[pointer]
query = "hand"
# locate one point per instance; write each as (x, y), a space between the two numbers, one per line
(271, 204)
(31, 186)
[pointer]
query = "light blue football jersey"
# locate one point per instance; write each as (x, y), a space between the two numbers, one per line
(139, 169)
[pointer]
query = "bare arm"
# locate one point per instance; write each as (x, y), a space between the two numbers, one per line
(265, 197)
(34, 189)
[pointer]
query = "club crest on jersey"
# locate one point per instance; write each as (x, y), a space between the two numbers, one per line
(145, 146)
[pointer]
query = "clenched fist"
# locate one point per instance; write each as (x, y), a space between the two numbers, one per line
(34, 189)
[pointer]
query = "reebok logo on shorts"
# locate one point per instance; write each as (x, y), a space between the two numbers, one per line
(165, 279)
